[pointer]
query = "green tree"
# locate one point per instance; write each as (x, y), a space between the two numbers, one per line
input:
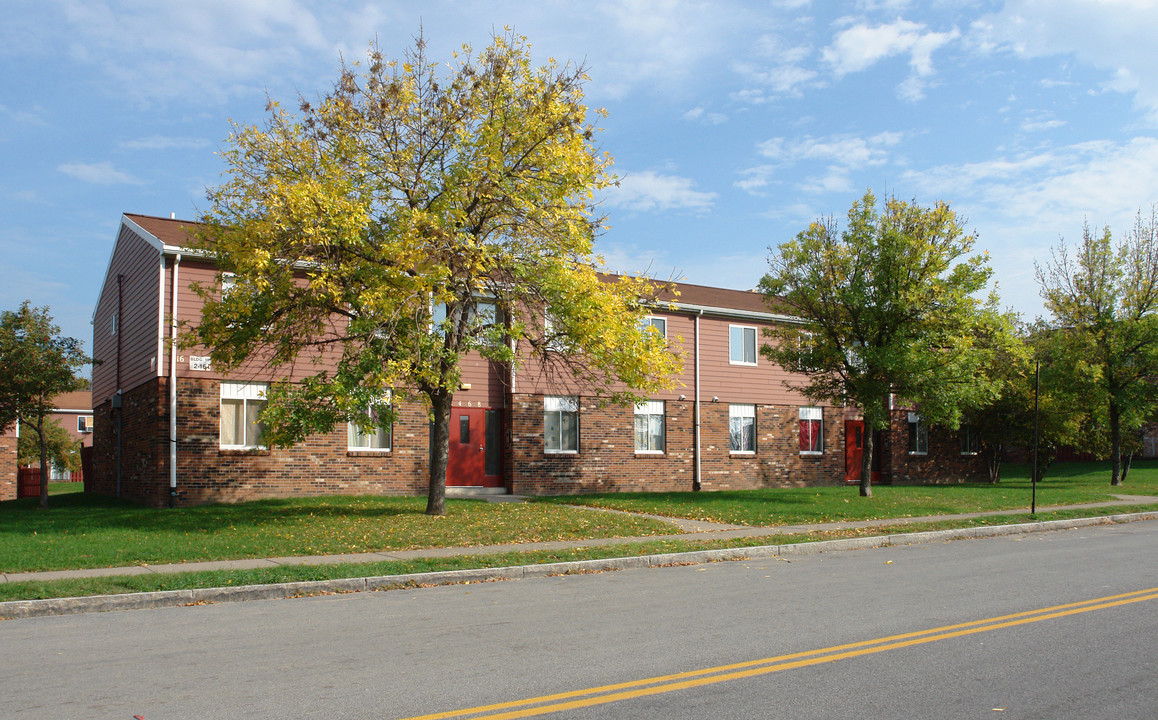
(63, 449)
(415, 214)
(1103, 298)
(888, 309)
(36, 365)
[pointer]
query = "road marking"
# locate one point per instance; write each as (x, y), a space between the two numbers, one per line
(603, 694)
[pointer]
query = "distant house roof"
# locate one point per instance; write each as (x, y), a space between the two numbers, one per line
(79, 400)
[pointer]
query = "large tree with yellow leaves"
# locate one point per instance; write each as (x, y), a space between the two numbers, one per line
(414, 214)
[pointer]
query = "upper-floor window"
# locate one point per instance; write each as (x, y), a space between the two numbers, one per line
(657, 324)
(649, 427)
(741, 345)
(241, 406)
(84, 423)
(113, 323)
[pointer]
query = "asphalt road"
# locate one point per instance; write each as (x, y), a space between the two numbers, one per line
(905, 632)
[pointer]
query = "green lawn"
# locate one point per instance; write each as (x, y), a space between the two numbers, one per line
(1065, 484)
(81, 531)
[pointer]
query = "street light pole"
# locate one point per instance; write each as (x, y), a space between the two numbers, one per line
(1036, 392)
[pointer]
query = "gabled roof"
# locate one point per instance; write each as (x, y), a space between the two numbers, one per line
(171, 232)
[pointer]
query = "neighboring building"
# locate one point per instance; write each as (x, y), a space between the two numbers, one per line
(8, 465)
(74, 413)
(170, 429)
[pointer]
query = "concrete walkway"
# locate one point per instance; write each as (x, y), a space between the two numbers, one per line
(690, 530)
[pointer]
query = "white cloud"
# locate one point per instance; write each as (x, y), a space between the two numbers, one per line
(861, 46)
(840, 154)
(102, 173)
(160, 142)
(698, 114)
(647, 191)
(1116, 36)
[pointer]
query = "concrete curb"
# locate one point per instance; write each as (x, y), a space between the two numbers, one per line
(176, 598)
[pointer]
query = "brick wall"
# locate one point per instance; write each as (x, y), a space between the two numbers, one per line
(607, 461)
(944, 462)
(321, 465)
(8, 467)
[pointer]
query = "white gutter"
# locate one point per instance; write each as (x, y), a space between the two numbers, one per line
(697, 480)
(731, 312)
(173, 388)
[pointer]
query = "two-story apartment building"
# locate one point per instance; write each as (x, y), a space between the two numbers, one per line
(169, 429)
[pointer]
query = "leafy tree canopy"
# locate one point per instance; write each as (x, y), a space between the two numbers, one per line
(888, 306)
(415, 214)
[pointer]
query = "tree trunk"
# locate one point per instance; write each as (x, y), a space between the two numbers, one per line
(1126, 467)
(993, 463)
(43, 465)
(1115, 444)
(439, 450)
(866, 462)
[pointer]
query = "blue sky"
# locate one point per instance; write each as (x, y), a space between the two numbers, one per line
(733, 124)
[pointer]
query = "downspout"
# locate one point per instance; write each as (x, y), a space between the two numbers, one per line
(696, 483)
(173, 389)
(118, 399)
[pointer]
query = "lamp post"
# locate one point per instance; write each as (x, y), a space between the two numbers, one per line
(1036, 392)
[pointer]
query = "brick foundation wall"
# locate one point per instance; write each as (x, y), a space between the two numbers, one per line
(8, 468)
(144, 424)
(944, 462)
(607, 461)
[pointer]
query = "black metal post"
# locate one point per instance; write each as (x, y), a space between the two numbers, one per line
(1036, 392)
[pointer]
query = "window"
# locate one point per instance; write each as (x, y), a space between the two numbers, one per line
(113, 324)
(377, 438)
(560, 424)
(555, 341)
(741, 345)
(742, 428)
(241, 406)
(657, 323)
(811, 431)
(649, 427)
(84, 424)
(970, 442)
(228, 282)
(918, 435)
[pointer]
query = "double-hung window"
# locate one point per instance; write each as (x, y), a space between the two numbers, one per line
(657, 325)
(649, 427)
(376, 437)
(970, 442)
(560, 424)
(811, 431)
(741, 345)
(84, 423)
(742, 428)
(241, 406)
(918, 435)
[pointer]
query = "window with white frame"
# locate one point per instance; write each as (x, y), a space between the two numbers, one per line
(84, 423)
(742, 428)
(556, 341)
(970, 441)
(741, 345)
(918, 435)
(113, 323)
(375, 437)
(241, 406)
(657, 324)
(811, 431)
(649, 427)
(560, 424)
(228, 282)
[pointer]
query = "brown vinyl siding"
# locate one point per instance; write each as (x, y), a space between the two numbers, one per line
(139, 264)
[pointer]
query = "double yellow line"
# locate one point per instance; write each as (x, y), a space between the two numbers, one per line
(603, 694)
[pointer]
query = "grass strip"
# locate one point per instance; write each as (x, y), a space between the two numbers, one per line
(297, 573)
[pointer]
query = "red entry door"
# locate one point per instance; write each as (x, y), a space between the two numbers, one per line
(475, 458)
(853, 450)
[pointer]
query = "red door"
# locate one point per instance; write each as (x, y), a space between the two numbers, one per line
(853, 450)
(475, 458)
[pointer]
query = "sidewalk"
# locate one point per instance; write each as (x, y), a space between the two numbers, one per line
(691, 530)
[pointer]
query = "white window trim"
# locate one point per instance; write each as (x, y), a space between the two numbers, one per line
(647, 322)
(755, 345)
(351, 428)
(970, 453)
(812, 413)
(244, 391)
(84, 424)
(561, 404)
(739, 410)
(649, 408)
(915, 419)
